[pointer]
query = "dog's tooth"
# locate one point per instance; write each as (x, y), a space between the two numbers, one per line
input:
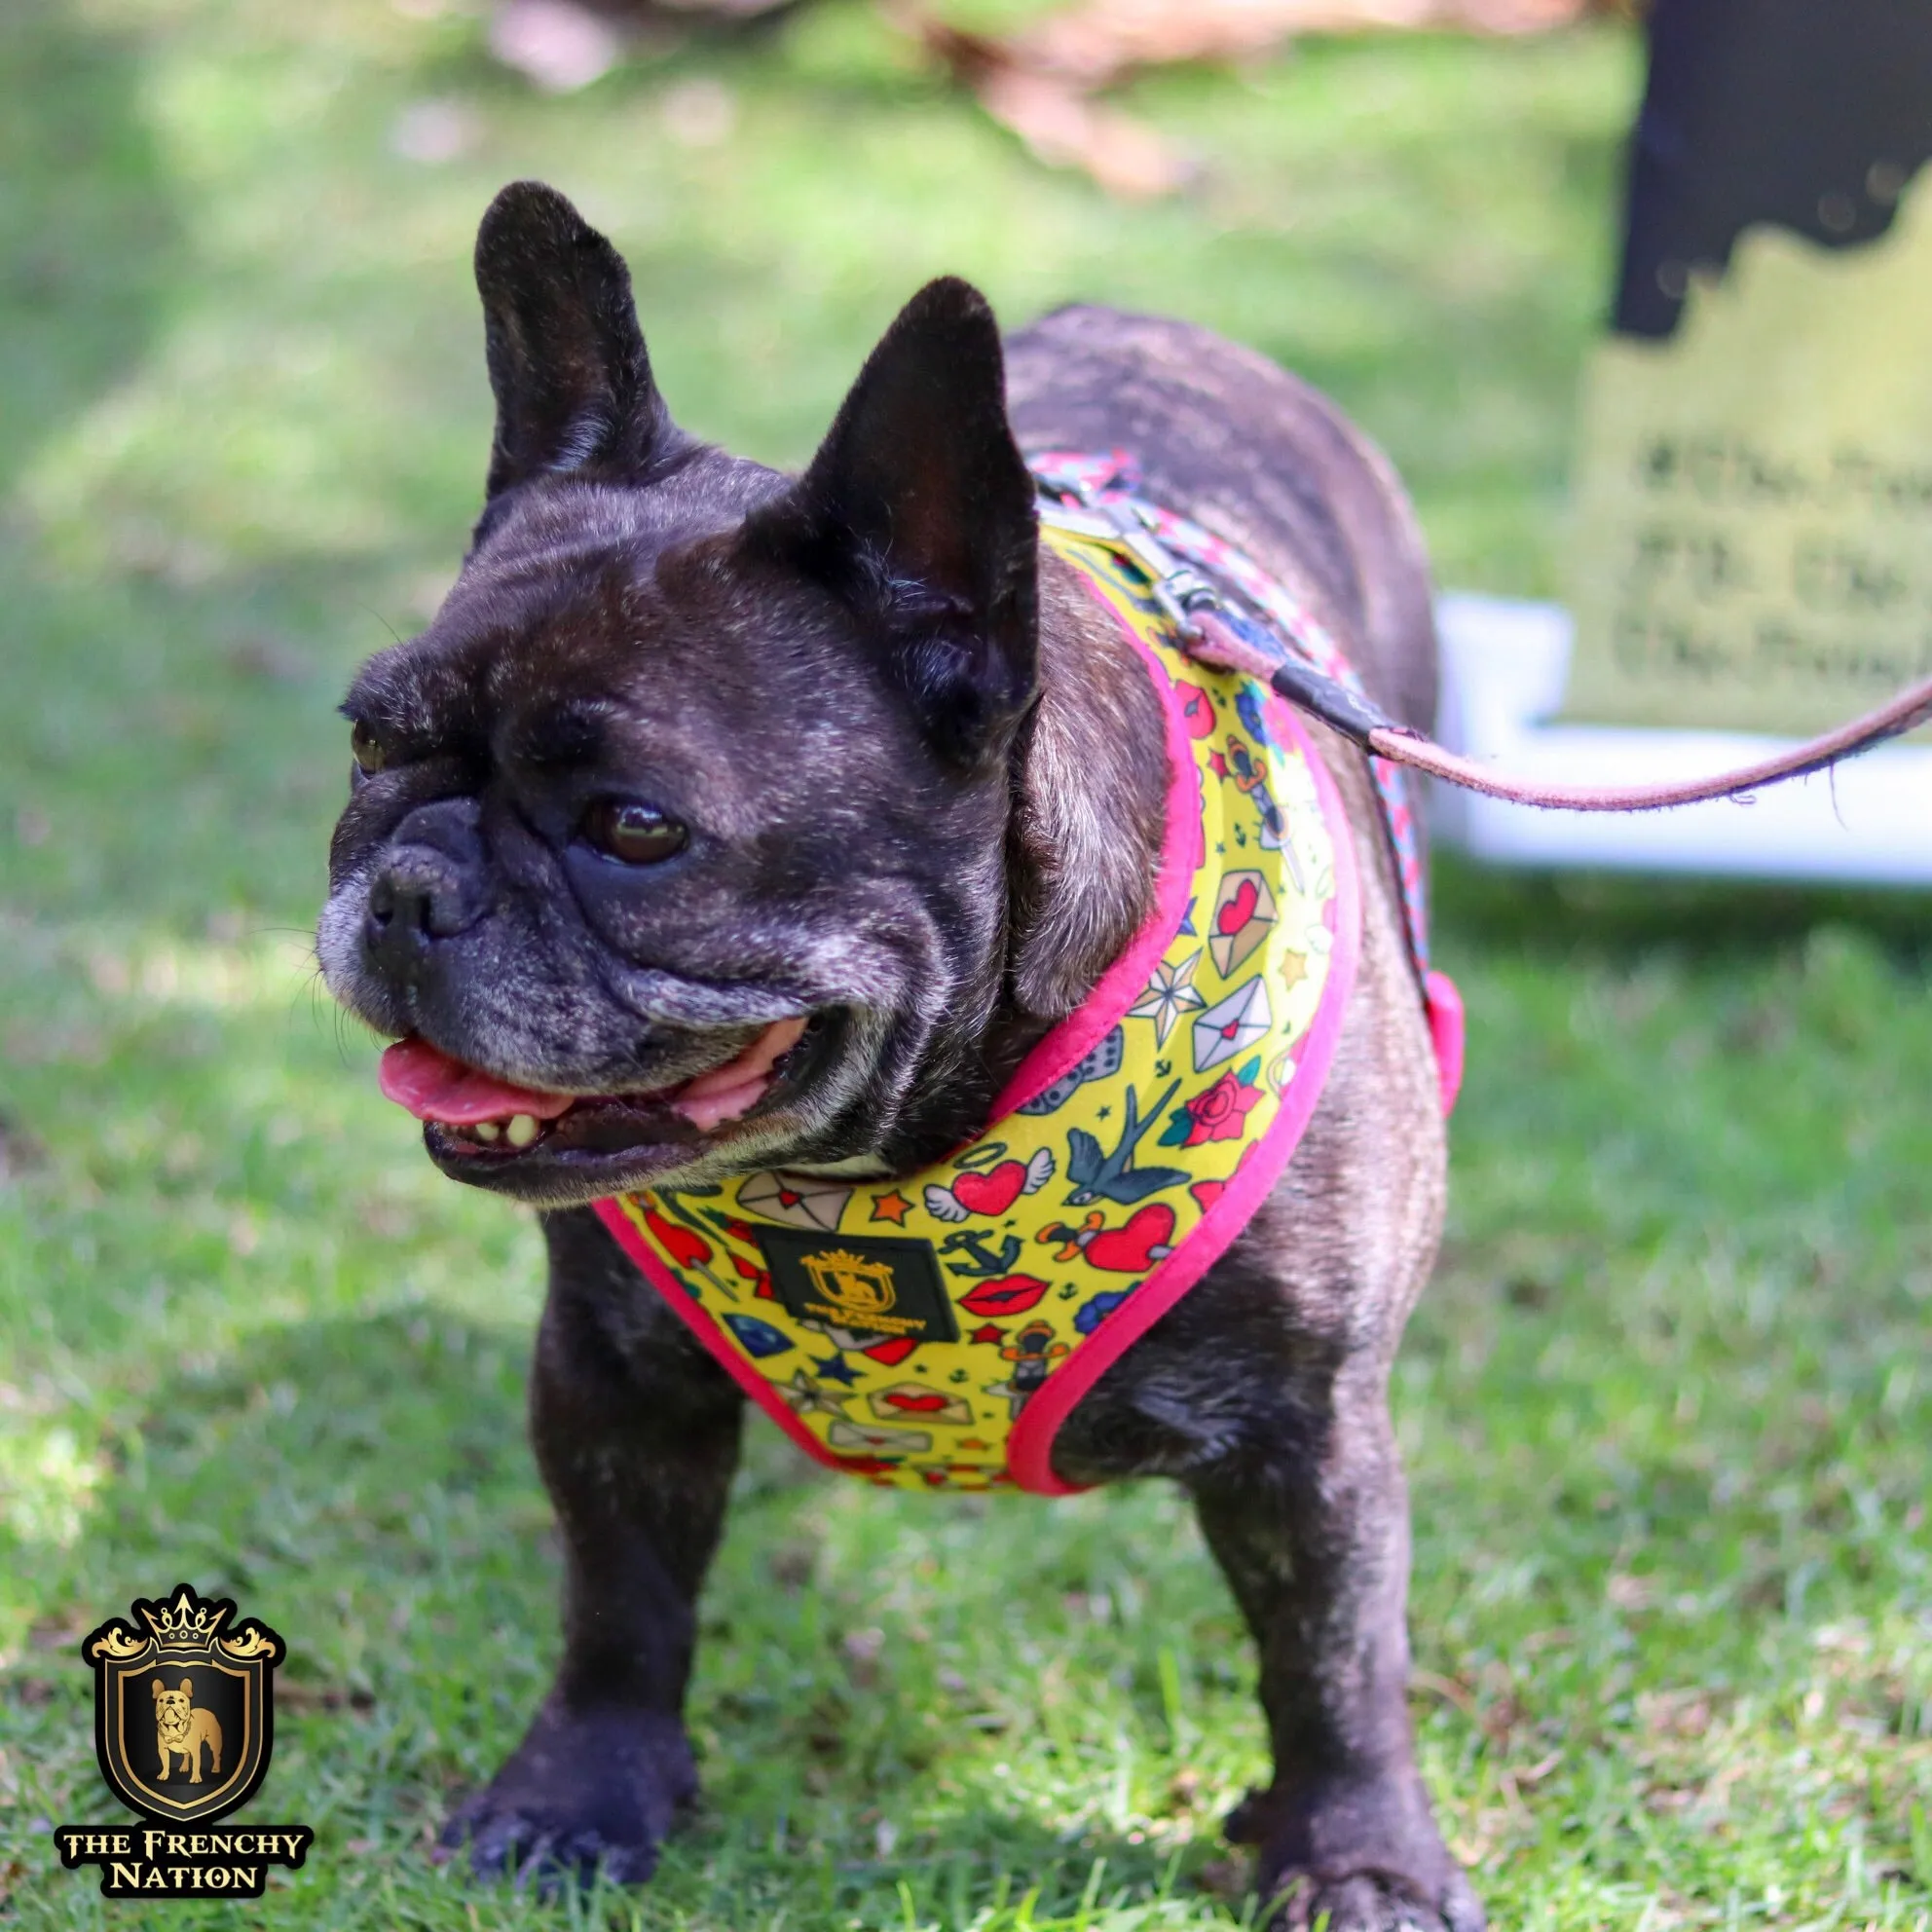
(522, 1130)
(488, 1130)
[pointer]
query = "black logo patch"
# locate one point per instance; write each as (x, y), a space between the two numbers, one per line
(858, 1289)
(184, 1722)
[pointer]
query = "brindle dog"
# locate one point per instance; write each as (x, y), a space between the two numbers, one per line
(836, 793)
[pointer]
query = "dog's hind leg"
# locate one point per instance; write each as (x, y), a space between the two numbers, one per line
(1278, 1424)
(1317, 1553)
(1278, 1428)
(1306, 1507)
(1264, 1392)
(636, 1431)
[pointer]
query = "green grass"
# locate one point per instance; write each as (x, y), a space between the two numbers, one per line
(1666, 1408)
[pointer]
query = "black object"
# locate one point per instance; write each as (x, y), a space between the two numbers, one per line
(881, 1287)
(1812, 114)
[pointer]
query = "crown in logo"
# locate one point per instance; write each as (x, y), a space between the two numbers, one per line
(187, 1619)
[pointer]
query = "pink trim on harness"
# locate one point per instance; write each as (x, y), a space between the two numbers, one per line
(1120, 985)
(1030, 1448)
(699, 1322)
(1445, 1034)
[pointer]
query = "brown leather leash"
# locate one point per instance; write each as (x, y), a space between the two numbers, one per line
(1199, 615)
(1213, 643)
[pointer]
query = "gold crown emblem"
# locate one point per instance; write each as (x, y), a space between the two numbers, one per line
(850, 1282)
(185, 1621)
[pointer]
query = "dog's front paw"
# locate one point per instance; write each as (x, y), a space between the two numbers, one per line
(1356, 1857)
(1374, 1902)
(583, 1790)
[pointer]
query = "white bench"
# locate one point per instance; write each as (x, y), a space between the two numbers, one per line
(1503, 668)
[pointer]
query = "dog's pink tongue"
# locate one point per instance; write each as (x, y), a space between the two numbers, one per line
(434, 1086)
(740, 1084)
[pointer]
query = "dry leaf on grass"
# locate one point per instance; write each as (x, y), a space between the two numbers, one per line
(1102, 41)
(1039, 82)
(1056, 121)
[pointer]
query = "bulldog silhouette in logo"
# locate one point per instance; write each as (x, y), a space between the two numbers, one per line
(181, 1730)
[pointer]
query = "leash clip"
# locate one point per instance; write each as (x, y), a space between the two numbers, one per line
(1190, 602)
(1183, 593)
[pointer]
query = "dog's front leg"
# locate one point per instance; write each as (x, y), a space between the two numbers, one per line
(1317, 1552)
(636, 1431)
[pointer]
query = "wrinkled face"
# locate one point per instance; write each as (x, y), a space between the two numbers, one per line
(171, 1709)
(674, 843)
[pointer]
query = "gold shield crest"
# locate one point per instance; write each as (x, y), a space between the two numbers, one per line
(184, 1714)
(858, 1288)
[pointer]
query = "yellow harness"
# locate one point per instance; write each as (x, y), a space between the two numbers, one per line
(934, 1330)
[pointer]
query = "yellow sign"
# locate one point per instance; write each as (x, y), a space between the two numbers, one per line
(1752, 541)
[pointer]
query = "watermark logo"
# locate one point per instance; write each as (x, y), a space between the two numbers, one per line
(184, 1722)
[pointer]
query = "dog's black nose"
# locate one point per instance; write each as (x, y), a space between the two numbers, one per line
(428, 887)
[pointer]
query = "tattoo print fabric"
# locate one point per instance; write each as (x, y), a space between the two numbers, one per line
(1284, 622)
(933, 1330)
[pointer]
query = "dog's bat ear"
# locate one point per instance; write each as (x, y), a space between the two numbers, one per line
(566, 360)
(160, 1689)
(918, 511)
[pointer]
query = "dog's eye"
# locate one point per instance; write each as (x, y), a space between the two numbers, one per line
(366, 749)
(635, 834)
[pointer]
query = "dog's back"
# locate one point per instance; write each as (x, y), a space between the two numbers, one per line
(1226, 437)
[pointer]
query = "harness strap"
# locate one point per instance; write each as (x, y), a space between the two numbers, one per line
(1195, 577)
(1098, 498)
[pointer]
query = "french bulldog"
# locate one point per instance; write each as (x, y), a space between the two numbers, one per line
(727, 820)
